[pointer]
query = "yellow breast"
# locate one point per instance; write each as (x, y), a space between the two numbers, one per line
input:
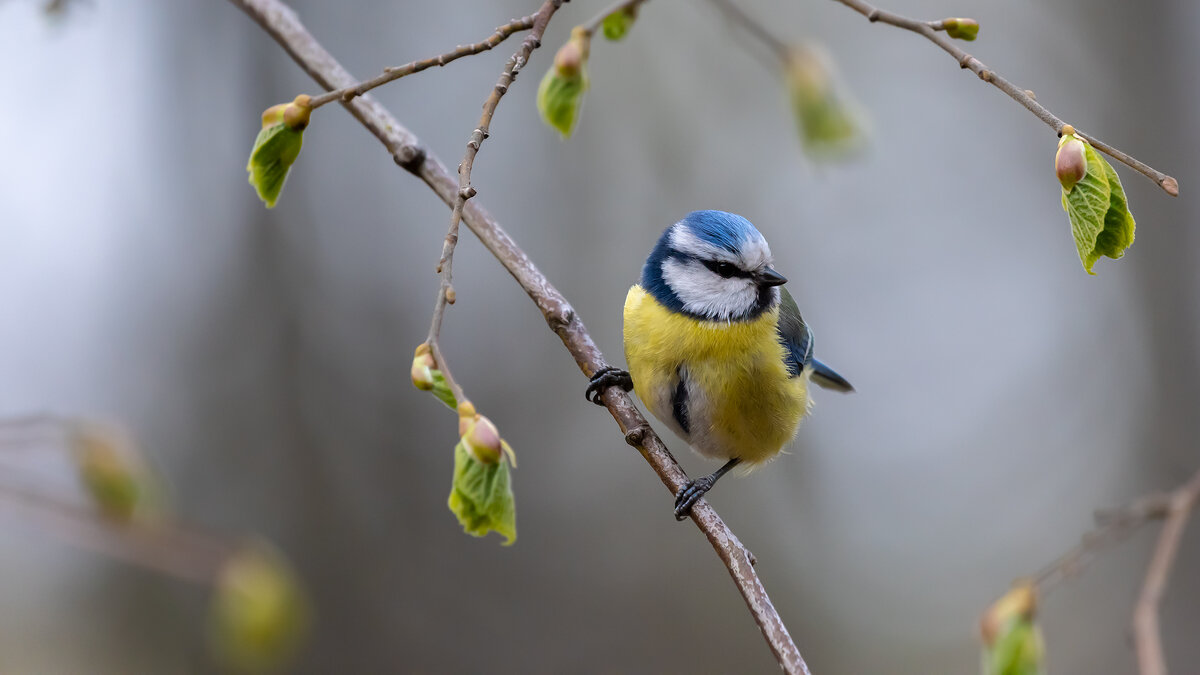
(741, 401)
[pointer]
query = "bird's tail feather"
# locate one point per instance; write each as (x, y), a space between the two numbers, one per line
(829, 379)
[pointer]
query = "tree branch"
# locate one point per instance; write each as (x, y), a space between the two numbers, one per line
(1146, 636)
(465, 191)
(396, 72)
(930, 31)
(284, 26)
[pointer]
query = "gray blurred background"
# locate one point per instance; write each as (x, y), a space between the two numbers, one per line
(261, 357)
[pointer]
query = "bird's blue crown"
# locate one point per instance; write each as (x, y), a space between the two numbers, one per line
(710, 233)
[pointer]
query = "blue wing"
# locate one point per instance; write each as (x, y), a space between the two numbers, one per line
(797, 341)
(793, 334)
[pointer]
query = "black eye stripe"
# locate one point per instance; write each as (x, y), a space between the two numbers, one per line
(725, 270)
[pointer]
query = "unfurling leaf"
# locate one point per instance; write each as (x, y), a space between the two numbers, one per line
(560, 95)
(1012, 642)
(1101, 223)
(111, 471)
(481, 496)
(961, 29)
(616, 25)
(260, 614)
(830, 123)
(277, 147)
(442, 390)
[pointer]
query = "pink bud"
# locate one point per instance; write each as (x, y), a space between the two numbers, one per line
(1070, 164)
(482, 440)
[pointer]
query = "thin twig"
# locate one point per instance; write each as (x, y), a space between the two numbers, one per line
(594, 24)
(1146, 637)
(778, 47)
(1112, 528)
(396, 72)
(930, 30)
(279, 21)
(445, 265)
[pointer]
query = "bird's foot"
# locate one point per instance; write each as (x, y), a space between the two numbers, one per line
(603, 379)
(691, 493)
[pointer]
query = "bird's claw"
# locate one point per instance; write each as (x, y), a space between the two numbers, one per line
(689, 494)
(603, 379)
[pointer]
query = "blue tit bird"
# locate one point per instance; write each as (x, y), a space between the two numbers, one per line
(717, 349)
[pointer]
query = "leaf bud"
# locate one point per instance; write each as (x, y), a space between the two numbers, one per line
(110, 470)
(830, 124)
(572, 56)
(466, 415)
(1019, 603)
(422, 367)
(296, 114)
(482, 440)
(277, 147)
(259, 614)
(961, 29)
(1070, 162)
(560, 94)
(616, 25)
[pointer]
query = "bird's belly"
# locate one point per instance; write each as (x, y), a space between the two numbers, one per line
(738, 400)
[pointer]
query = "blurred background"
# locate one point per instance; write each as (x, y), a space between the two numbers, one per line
(261, 357)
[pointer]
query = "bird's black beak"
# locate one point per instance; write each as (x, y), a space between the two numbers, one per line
(769, 277)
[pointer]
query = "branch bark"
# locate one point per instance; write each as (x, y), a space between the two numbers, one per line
(279, 21)
(929, 30)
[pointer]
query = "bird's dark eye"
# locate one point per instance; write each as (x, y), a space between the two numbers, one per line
(724, 269)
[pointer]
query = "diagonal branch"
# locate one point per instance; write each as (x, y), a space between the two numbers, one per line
(930, 31)
(446, 263)
(281, 23)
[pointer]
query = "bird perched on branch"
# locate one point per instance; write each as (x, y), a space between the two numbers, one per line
(716, 348)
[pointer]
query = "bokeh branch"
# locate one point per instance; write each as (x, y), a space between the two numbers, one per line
(1174, 509)
(445, 265)
(281, 22)
(931, 31)
(1146, 636)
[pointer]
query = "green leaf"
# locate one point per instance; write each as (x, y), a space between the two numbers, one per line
(441, 390)
(259, 613)
(275, 149)
(560, 99)
(481, 496)
(1101, 223)
(830, 124)
(616, 25)
(1018, 650)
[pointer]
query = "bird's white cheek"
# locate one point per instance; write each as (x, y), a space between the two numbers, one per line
(703, 292)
